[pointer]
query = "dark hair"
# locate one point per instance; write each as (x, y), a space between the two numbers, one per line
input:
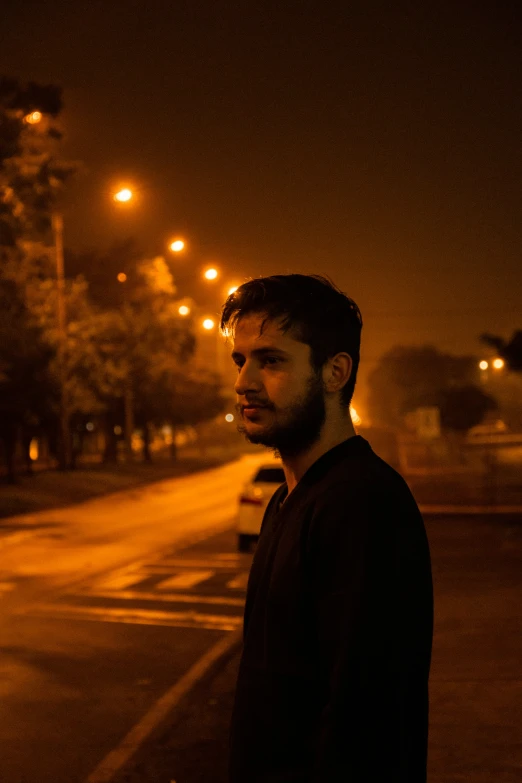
(312, 307)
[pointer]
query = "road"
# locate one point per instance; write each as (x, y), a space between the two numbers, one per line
(104, 607)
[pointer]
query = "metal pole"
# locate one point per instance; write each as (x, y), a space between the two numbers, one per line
(128, 393)
(65, 449)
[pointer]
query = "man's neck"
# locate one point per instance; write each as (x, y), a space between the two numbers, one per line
(335, 431)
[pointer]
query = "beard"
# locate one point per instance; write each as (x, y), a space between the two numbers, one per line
(297, 427)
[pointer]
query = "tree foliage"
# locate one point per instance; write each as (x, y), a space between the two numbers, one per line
(409, 377)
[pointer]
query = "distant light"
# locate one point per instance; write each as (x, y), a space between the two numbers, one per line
(210, 274)
(118, 430)
(229, 417)
(483, 365)
(356, 419)
(33, 449)
(232, 290)
(33, 118)
(123, 195)
(208, 324)
(177, 245)
(498, 364)
(89, 426)
(184, 310)
(122, 277)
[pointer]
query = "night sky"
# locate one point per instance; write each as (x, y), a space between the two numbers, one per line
(376, 142)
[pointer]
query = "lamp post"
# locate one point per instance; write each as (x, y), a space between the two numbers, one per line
(128, 394)
(65, 439)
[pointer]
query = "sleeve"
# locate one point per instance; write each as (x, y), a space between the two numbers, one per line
(361, 634)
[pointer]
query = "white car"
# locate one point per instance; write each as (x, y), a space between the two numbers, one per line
(253, 501)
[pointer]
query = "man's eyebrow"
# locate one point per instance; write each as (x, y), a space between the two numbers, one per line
(257, 352)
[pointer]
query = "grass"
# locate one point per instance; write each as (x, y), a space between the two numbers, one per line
(54, 489)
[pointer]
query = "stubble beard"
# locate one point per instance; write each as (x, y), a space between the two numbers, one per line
(299, 426)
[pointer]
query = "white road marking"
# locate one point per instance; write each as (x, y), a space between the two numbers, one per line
(178, 562)
(119, 580)
(113, 763)
(6, 587)
(185, 598)
(239, 582)
(218, 622)
(186, 580)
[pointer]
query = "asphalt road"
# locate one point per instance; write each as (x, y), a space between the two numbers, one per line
(109, 607)
(101, 614)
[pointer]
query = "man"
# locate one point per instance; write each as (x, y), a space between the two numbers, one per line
(333, 680)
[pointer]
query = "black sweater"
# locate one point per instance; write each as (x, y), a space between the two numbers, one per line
(333, 680)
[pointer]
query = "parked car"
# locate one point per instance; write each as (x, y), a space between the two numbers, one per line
(253, 501)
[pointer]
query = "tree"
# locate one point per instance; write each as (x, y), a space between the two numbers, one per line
(27, 389)
(32, 173)
(464, 407)
(409, 377)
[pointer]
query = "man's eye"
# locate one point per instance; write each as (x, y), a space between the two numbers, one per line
(271, 359)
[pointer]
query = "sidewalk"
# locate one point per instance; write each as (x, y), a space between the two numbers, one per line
(476, 684)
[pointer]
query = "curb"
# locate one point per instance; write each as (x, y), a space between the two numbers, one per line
(118, 758)
(480, 510)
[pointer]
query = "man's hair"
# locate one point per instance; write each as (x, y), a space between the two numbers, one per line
(311, 307)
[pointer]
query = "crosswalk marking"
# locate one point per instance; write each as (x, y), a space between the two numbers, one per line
(187, 580)
(239, 582)
(121, 580)
(142, 617)
(183, 598)
(182, 563)
(6, 587)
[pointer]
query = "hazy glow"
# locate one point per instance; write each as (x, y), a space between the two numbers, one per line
(33, 449)
(356, 419)
(498, 364)
(89, 426)
(122, 277)
(184, 310)
(208, 324)
(483, 365)
(123, 195)
(33, 118)
(118, 430)
(210, 274)
(229, 417)
(232, 290)
(177, 245)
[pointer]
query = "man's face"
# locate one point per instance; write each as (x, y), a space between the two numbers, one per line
(280, 399)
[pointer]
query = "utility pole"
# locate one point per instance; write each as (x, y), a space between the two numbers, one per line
(65, 439)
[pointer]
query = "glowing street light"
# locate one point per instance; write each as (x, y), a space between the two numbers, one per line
(498, 364)
(122, 277)
(229, 417)
(210, 274)
(208, 324)
(483, 365)
(184, 310)
(123, 196)
(177, 245)
(33, 118)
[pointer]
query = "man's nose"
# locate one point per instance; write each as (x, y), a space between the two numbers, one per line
(248, 380)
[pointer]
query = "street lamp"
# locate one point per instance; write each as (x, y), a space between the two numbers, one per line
(210, 274)
(498, 364)
(33, 118)
(177, 245)
(123, 196)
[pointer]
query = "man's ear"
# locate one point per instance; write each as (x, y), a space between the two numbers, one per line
(336, 372)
